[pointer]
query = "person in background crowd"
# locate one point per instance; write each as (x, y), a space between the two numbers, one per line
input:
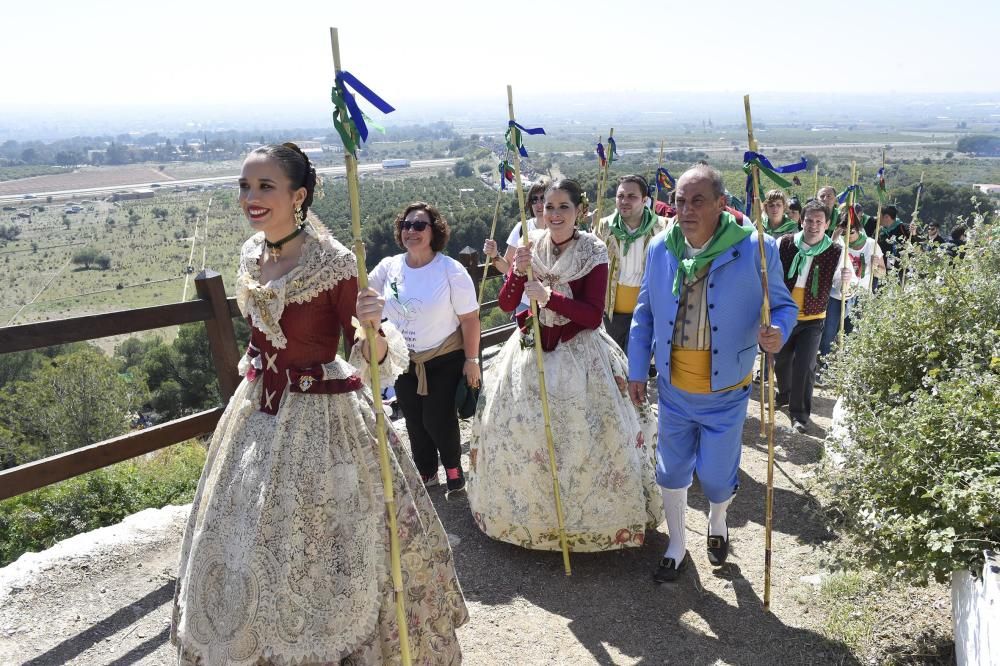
(811, 263)
(604, 460)
(626, 233)
(431, 299)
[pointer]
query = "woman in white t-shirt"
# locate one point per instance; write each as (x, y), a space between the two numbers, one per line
(534, 205)
(430, 298)
(867, 261)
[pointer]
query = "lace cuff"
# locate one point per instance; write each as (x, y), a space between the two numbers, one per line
(395, 363)
(250, 364)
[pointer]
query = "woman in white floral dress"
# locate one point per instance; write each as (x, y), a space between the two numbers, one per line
(285, 558)
(603, 451)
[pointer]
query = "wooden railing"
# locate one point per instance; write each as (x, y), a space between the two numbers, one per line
(211, 307)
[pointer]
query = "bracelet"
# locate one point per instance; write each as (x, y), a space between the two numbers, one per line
(472, 360)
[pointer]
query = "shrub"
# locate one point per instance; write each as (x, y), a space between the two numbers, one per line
(38, 519)
(920, 378)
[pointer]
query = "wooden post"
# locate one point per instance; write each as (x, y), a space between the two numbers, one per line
(221, 334)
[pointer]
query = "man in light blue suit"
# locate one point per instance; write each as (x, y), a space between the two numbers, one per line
(699, 307)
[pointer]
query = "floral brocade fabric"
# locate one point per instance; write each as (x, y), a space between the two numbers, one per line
(604, 450)
(285, 558)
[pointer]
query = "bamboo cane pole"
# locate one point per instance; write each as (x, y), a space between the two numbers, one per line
(914, 219)
(539, 360)
(493, 231)
(656, 177)
(765, 317)
(847, 243)
(878, 231)
(602, 184)
(815, 182)
(351, 166)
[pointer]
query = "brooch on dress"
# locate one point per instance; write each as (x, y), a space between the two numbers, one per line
(305, 383)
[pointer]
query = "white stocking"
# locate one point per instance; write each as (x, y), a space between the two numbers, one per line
(675, 508)
(717, 518)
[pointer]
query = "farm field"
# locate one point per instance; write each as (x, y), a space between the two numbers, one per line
(85, 177)
(149, 255)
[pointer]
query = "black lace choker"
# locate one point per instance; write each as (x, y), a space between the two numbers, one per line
(275, 247)
(557, 247)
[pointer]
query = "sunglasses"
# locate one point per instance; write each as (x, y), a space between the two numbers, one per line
(416, 225)
(535, 200)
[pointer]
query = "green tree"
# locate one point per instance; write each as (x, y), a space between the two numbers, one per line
(85, 257)
(74, 400)
(463, 169)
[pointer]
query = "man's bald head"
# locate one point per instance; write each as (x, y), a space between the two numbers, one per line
(705, 172)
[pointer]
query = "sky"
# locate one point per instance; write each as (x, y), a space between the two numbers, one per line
(61, 55)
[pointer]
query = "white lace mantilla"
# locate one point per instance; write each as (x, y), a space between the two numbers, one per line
(324, 263)
(556, 271)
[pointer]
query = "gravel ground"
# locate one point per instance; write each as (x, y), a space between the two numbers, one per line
(109, 603)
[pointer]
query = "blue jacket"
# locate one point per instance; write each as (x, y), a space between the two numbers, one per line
(735, 299)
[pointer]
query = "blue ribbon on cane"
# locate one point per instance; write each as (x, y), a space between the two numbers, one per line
(842, 197)
(345, 79)
(751, 157)
(513, 133)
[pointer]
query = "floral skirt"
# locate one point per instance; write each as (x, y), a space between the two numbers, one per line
(604, 450)
(285, 558)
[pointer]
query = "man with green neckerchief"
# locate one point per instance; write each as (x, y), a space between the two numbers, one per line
(626, 233)
(811, 263)
(776, 222)
(700, 307)
(827, 196)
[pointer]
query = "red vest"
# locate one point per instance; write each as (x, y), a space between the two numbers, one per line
(826, 263)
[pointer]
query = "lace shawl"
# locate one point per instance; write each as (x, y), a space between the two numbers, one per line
(557, 271)
(324, 263)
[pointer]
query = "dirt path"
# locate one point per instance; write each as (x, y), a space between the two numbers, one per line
(113, 606)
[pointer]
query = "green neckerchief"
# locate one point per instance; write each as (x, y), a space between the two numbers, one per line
(885, 231)
(787, 225)
(834, 218)
(727, 235)
(803, 255)
(860, 245)
(625, 236)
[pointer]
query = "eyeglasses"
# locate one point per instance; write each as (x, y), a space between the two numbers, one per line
(416, 225)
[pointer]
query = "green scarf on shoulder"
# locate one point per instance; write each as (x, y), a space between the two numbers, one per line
(859, 244)
(787, 225)
(885, 231)
(834, 219)
(727, 235)
(802, 257)
(626, 236)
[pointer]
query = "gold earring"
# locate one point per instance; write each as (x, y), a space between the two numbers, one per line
(299, 215)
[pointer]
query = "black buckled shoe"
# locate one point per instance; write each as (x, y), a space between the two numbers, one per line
(718, 549)
(669, 570)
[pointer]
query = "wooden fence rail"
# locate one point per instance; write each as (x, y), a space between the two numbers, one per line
(211, 307)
